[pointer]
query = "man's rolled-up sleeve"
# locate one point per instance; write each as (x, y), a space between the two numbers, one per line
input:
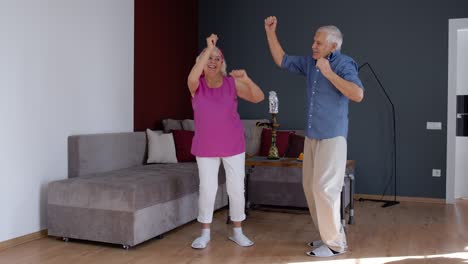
(349, 72)
(295, 64)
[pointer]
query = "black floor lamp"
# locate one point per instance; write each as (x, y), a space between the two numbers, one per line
(387, 203)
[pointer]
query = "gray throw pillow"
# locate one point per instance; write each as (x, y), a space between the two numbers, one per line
(171, 124)
(188, 124)
(161, 147)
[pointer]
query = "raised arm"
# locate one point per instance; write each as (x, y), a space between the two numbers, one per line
(246, 88)
(193, 79)
(275, 47)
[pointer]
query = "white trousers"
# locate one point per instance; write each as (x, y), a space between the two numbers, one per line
(208, 169)
(323, 173)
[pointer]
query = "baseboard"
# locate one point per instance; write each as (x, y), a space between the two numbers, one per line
(400, 198)
(22, 239)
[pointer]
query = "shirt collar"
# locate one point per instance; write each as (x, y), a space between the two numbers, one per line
(333, 55)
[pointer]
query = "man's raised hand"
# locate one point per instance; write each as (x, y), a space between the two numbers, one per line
(270, 24)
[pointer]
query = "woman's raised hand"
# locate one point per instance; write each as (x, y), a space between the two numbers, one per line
(211, 41)
(240, 75)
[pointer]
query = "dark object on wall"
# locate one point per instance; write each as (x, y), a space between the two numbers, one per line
(462, 115)
(387, 203)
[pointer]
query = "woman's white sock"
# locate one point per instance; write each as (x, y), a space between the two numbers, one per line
(202, 241)
(239, 237)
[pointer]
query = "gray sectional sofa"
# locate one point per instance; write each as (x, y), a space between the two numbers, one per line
(112, 196)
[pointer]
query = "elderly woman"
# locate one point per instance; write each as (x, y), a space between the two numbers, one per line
(219, 136)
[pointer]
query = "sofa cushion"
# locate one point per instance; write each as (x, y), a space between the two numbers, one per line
(183, 145)
(161, 147)
(105, 152)
(188, 124)
(296, 146)
(128, 189)
(282, 140)
(171, 124)
(252, 135)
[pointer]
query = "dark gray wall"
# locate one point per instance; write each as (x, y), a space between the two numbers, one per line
(406, 42)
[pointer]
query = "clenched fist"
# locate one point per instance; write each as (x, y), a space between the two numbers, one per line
(270, 24)
(211, 41)
(324, 66)
(240, 75)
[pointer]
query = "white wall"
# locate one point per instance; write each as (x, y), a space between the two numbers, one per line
(461, 148)
(66, 67)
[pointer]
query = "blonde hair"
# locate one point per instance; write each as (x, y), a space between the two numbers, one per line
(223, 65)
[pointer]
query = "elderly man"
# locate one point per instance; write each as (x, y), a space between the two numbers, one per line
(332, 80)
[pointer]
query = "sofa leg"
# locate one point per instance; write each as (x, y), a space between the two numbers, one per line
(160, 236)
(126, 247)
(65, 239)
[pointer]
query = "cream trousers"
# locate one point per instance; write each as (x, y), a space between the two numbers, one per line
(323, 173)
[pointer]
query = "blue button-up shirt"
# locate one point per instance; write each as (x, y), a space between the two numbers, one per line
(327, 107)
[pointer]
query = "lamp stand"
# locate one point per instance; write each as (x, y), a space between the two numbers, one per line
(387, 203)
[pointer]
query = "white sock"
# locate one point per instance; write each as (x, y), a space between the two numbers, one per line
(202, 241)
(240, 238)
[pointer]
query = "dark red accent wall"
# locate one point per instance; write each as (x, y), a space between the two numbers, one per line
(166, 44)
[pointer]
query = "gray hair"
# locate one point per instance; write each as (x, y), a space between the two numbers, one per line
(333, 35)
(223, 66)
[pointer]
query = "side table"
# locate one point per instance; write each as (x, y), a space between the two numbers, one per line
(347, 192)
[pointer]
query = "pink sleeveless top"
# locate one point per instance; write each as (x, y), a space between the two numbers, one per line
(218, 129)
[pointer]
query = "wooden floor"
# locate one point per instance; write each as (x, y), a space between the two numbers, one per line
(412, 233)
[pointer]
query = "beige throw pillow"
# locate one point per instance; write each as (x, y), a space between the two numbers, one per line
(161, 147)
(253, 135)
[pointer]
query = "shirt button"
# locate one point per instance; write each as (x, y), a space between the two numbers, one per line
(315, 81)
(310, 126)
(313, 92)
(317, 70)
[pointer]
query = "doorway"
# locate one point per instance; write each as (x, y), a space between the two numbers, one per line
(457, 142)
